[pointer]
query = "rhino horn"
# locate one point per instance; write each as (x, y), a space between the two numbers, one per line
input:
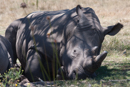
(101, 57)
(95, 49)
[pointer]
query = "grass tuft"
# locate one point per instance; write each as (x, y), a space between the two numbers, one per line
(10, 78)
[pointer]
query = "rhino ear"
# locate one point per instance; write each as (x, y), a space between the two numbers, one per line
(83, 21)
(79, 10)
(113, 30)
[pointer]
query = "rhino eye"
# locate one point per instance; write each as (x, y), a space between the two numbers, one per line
(74, 51)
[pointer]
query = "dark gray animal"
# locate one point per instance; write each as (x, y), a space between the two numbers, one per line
(45, 41)
(6, 55)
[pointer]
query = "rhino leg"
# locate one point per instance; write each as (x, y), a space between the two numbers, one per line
(33, 69)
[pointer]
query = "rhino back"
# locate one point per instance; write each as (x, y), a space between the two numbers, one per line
(42, 26)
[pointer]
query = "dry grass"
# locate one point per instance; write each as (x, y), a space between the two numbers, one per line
(108, 11)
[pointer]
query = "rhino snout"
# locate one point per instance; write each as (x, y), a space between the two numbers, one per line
(79, 74)
(92, 64)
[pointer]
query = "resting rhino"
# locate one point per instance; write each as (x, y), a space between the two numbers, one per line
(6, 55)
(46, 40)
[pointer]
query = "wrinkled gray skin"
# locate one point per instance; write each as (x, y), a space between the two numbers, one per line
(78, 35)
(6, 55)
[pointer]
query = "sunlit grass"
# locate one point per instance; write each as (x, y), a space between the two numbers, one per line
(108, 11)
(10, 78)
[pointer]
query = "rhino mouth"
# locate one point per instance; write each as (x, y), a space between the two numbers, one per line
(80, 73)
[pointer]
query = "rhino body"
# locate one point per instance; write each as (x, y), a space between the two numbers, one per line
(6, 55)
(44, 41)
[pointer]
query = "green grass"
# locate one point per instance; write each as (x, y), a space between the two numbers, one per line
(10, 78)
(114, 71)
(109, 74)
(116, 46)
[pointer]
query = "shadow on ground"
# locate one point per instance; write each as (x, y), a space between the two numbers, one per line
(109, 74)
(113, 71)
(113, 74)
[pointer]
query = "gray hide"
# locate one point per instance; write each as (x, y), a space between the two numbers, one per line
(68, 38)
(6, 54)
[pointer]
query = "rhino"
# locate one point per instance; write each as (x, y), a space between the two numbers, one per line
(6, 55)
(62, 44)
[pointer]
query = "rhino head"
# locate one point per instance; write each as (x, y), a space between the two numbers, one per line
(82, 57)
